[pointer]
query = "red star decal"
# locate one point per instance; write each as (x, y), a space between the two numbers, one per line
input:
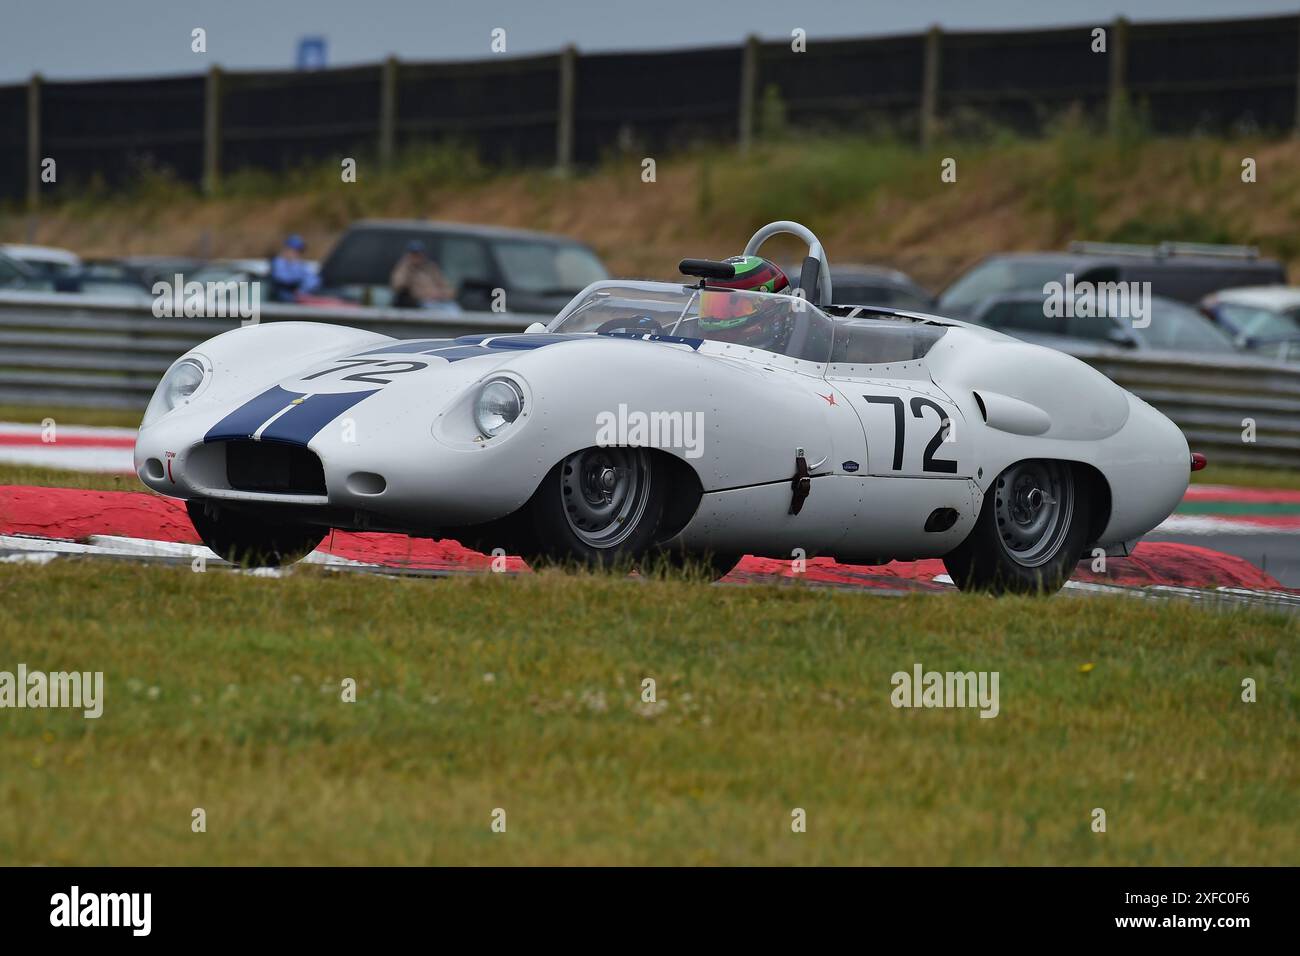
(830, 399)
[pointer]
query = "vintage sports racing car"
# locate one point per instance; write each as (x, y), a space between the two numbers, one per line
(680, 421)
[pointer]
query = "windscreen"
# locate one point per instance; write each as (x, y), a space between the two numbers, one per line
(784, 324)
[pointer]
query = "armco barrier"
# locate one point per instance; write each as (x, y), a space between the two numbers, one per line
(75, 351)
(1218, 401)
(84, 351)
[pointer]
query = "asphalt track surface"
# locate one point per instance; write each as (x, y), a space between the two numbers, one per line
(1276, 554)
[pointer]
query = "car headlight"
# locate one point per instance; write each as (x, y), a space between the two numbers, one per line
(499, 403)
(181, 381)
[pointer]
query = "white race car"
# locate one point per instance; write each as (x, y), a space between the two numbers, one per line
(631, 429)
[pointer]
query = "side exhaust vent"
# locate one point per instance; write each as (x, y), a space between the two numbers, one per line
(941, 519)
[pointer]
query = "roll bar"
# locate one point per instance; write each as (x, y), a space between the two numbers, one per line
(816, 269)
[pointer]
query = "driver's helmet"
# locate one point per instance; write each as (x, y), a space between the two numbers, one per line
(746, 319)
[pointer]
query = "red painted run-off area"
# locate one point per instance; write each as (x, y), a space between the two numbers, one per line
(75, 515)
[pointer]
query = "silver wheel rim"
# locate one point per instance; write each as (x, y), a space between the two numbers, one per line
(604, 492)
(1033, 503)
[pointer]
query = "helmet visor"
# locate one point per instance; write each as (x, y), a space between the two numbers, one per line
(723, 309)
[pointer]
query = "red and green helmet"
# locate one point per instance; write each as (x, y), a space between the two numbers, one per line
(753, 274)
(719, 311)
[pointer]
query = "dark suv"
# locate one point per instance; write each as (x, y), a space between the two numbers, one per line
(539, 272)
(1186, 272)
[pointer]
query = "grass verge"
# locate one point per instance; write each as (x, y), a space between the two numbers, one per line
(66, 415)
(223, 691)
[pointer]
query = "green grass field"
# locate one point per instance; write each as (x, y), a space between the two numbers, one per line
(223, 691)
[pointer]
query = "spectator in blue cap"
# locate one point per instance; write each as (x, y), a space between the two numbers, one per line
(290, 273)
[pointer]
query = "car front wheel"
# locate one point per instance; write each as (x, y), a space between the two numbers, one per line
(252, 541)
(599, 507)
(1031, 531)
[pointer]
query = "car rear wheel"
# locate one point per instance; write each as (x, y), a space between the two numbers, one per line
(250, 540)
(599, 507)
(1030, 533)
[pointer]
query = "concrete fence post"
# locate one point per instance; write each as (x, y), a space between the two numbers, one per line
(34, 141)
(388, 113)
(212, 131)
(930, 74)
(1117, 93)
(565, 121)
(1297, 91)
(748, 91)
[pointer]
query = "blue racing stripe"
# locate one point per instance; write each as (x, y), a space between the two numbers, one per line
(536, 340)
(248, 418)
(406, 347)
(460, 352)
(300, 424)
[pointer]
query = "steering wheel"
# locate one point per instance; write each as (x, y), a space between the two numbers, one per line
(638, 323)
(815, 275)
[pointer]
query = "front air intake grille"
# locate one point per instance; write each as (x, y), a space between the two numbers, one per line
(274, 467)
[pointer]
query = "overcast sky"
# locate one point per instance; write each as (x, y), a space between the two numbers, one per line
(77, 39)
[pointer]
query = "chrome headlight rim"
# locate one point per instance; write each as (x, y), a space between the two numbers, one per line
(163, 401)
(514, 392)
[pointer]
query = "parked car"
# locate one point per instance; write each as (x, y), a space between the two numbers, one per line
(879, 285)
(151, 269)
(16, 276)
(1186, 272)
(1174, 326)
(58, 267)
(539, 272)
(1264, 319)
(45, 261)
(109, 278)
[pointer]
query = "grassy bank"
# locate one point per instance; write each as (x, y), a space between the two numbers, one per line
(870, 199)
(224, 692)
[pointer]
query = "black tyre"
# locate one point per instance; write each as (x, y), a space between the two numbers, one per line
(1030, 533)
(254, 541)
(600, 507)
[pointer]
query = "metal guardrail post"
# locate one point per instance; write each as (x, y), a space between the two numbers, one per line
(34, 141)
